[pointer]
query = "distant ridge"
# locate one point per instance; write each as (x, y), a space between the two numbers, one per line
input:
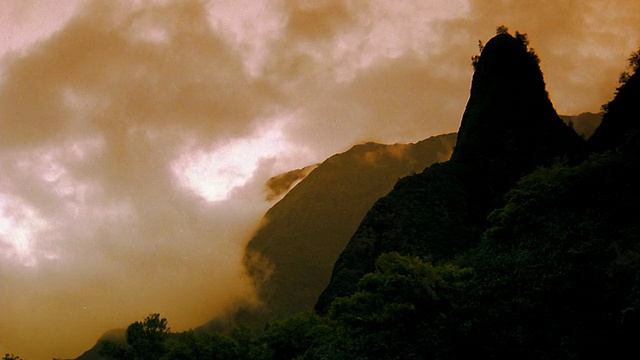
(584, 124)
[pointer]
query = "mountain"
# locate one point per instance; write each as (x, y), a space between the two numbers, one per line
(291, 256)
(584, 124)
(509, 128)
(622, 119)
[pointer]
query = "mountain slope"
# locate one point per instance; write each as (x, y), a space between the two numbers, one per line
(622, 119)
(508, 129)
(292, 255)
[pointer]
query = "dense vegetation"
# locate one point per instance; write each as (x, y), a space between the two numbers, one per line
(536, 261)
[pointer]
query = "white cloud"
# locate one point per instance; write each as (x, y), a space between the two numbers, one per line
(214, 174)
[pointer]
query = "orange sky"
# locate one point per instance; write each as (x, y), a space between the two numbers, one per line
(136, 136)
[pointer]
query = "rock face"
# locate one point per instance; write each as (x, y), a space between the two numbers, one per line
(509, 124)
(290, 258)
(508, 129)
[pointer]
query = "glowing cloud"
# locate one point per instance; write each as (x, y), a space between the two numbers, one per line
(20, 226)
(215, 174)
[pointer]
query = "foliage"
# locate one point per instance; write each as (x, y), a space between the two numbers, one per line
(521, 37)
(145, 340)
(524, 40)
(401, 310)
(10, 357)
(632, 67)
(559, 267)
(502, 29)
(476, 58)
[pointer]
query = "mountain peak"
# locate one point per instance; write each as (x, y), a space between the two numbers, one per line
(509, 120)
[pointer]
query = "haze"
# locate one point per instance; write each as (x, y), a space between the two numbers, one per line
(136, 136)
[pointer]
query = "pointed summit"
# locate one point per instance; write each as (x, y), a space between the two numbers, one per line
(509, 120)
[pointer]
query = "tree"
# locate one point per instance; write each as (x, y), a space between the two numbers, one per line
(557, 273)
(476, 58)
(502, 29)
(293, 337)
(524, 39)
(10, 357)
(145, 340)
(634, 60)
(400, 311)
(632, 67)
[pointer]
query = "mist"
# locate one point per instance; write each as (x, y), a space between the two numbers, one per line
(136, 138)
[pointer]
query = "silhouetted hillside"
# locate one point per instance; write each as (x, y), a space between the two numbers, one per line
(291, 256)
(508, 129)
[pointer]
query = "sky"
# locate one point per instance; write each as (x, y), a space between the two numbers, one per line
(136, 136)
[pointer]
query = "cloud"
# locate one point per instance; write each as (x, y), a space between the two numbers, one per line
(176, 72)
(107, 108)
(317, 19)
(97, 229)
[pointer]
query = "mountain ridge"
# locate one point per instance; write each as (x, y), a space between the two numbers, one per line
(291, 255)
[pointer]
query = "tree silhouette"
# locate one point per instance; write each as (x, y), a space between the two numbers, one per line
(632, 67)
(145, 340)
(10, 357)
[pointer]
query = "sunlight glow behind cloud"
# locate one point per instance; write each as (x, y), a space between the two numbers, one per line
(20, 226)
(214, 174)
